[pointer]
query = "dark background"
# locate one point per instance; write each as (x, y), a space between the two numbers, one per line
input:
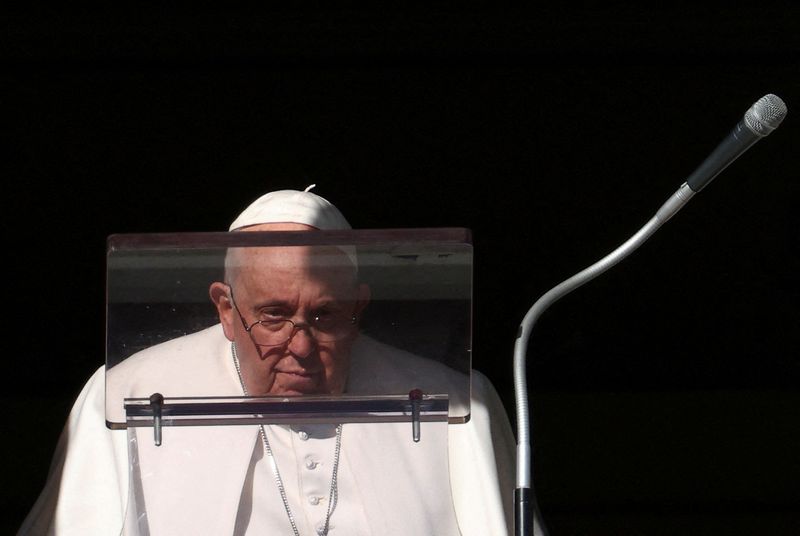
(665, 393)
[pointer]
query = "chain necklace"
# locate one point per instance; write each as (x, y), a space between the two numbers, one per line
(333, 494)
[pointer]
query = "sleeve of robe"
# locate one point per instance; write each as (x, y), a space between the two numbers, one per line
(86, 490)
(482, 465)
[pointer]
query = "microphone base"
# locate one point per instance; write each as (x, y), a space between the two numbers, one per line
(523, 512)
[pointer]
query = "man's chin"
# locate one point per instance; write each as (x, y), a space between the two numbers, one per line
(299, 385)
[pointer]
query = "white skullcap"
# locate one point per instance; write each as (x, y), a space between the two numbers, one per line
(292, 206)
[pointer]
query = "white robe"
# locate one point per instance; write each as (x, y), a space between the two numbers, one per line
(457, 480)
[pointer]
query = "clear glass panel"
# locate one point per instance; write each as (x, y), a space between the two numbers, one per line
(372, 313)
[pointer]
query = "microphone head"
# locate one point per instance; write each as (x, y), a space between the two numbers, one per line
(765, 115)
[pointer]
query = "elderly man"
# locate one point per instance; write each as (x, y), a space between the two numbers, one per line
(294, 332)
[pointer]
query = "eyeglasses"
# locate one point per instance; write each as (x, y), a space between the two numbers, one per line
(325, 326)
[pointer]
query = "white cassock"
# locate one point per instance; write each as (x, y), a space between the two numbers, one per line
(217, 480)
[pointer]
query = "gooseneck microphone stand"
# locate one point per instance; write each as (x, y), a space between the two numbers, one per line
(761, 119)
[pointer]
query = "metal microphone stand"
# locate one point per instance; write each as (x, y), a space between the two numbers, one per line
(524, 500)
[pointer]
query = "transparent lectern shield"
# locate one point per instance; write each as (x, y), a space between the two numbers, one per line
(377, 314)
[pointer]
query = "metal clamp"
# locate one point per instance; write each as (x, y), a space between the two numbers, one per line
(415, 396)
(157, 404)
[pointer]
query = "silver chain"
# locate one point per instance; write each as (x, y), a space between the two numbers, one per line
(333, 494)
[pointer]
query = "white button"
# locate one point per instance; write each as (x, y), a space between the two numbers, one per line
(303, 435)
(310, 463)
(313, 500)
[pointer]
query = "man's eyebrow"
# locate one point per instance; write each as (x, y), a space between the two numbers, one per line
(272, 303)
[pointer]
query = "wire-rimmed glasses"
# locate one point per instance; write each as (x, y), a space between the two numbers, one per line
(324, 326)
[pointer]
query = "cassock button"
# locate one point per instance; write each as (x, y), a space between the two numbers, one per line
(313, 500)
(303, 435)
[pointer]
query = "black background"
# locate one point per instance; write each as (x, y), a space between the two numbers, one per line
(665, 393)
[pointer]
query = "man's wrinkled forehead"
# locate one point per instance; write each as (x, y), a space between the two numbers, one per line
(317, 263)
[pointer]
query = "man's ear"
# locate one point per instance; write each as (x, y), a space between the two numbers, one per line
(222, 301)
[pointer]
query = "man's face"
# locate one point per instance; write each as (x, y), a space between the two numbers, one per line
(296, 283)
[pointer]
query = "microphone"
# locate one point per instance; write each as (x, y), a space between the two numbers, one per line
(762, 118)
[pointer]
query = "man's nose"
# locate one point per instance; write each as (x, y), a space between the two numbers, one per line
(301, 343)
